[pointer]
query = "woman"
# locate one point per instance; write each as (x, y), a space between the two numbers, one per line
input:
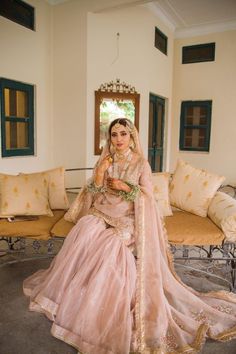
(112, 288)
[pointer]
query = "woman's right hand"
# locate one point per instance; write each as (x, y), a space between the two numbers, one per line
(104, 164)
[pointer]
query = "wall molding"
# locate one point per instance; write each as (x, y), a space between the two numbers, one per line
(185, 31)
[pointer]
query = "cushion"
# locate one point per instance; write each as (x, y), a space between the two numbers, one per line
(184, 228)
(160, 182)
(56, 192)
(37, 229)
(2, 177)
(25, 195)
(192, 189)
(62, 228)
(222, 211)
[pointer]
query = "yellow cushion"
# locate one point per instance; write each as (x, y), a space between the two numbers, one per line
(192, 189)
(39, 229)
(160, 182)
(187, 229)
(222, 211)
(62, 228)
(56, 192)
(2, 177)
(25, 195)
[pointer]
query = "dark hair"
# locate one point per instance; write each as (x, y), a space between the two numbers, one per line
(122, 121)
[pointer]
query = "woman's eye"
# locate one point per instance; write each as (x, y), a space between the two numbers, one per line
(113, 134)
(123, 134)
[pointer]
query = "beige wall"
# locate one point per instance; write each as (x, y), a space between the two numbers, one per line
(69, 84)
(84, 49)
(139, 63)
(72, 53)
(26, 56)
(203, 81)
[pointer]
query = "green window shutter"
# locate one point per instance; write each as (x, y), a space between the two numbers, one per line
(17, 118)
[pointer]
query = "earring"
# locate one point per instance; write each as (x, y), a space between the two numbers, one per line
(131, 144)
(112, 149)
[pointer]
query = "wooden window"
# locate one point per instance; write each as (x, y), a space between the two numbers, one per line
(161, 41)
(195, 125)
(156, 132)
(198, 53)
(17, 118)
(18, 11)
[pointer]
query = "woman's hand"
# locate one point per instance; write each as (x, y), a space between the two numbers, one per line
(118, 184)
(101, 169)
(104, 164)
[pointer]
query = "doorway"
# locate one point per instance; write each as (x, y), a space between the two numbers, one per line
(156, 132)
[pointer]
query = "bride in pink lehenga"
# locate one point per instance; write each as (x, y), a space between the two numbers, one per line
(104, 300)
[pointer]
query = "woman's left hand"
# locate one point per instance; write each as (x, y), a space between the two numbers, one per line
(117, 184)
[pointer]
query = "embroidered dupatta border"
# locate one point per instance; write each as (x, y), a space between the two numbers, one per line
(139, 322)
(203, 330)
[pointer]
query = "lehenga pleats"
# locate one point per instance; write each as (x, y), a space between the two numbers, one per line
(89, 289)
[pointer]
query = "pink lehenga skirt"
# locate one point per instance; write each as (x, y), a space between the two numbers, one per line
(102, 301)
(88, 291)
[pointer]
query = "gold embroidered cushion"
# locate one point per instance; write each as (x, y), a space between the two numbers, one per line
(25, 195)
(222, 211)
(56, 191)
(192, 189)
(160, 182)
(2, 177)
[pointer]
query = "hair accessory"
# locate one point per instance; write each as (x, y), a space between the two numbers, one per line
(117, 126)
(129, 127)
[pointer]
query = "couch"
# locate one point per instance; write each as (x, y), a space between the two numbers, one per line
(210, 227)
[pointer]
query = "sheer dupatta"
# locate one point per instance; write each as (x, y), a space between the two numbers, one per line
(84, 200)
(171, 317)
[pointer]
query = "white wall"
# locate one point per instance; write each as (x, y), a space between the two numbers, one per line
(214, 81)
(26, 56)
(84, 49)
(139, 63)
(69, 85)
(72, 52)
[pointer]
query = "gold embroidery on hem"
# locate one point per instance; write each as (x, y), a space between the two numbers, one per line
(108, 219)
(192, 348)
(226, 335)
(140, 279)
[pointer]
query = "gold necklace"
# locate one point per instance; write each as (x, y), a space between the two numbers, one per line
(119, 171)
(121, 155)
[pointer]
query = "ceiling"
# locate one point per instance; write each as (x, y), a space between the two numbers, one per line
(184, 17)
(203, 16)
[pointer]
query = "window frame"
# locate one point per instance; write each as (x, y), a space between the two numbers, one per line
(161, 34)
(17, 85)
(11, 11)
(186, 104)
(201, 59)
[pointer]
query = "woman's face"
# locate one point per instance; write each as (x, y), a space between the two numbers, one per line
(120, 138)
